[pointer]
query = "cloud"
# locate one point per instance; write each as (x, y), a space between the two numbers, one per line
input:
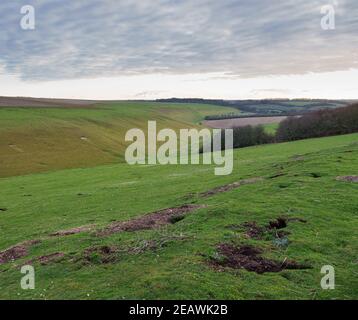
(246, 38)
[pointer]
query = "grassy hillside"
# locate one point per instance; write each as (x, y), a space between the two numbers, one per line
(44, 139)
(181, 259)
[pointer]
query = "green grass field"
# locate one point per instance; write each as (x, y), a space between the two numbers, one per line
(172, 262)
(271, 128)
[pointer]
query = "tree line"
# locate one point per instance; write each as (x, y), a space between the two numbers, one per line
(320, 123)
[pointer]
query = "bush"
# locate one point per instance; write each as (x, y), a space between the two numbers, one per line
(251, 136)
(246, 136)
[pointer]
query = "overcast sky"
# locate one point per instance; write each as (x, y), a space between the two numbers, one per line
(130, 49)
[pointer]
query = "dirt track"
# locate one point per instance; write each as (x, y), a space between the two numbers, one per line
(242, 122)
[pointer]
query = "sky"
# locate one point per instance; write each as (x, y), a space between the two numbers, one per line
(129, 49)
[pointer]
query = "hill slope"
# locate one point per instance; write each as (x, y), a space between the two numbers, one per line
(44, 139)
(184, 256)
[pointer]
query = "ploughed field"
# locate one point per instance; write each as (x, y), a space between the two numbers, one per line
(173, 232)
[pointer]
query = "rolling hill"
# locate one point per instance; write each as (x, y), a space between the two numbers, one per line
(38, 139)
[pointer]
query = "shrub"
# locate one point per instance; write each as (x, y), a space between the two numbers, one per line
(251, 136)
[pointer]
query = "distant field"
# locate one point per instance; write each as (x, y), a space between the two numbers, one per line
(271, 128)
(273, 107)
(241, 122)
(48, 138)
(81, 252)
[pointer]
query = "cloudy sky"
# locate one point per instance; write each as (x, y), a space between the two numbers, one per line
(130, 49)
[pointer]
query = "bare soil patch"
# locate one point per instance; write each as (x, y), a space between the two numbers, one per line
(111, 254)
(150, 221)
(254, 231)
(348, 178)
(249, 258)
(100, 255)
(47, 259)
(16, 252)
(279, 223)
(72, 231)
(230, 186)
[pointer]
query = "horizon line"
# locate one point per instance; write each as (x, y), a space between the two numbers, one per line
(172, 98)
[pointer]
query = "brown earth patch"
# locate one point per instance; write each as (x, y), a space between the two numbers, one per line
(230, 186)
(16, 252)
(250, 259)
(279, 223)
(47, 259)
(100, 255)
(282, 222)
(111, 254)
(254, 231)
(72, 231)
(348, 178)
(150, 221)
